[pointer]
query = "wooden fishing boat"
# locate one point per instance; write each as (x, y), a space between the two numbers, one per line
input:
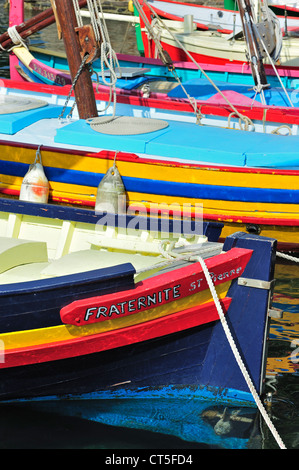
(208, 46)
(92, 307)
(95, 310)
(247, 180)
(139, 75)
(44, 66)
(52, 68)
(149, 78)
(205, 17)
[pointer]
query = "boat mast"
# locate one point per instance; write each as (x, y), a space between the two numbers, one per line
(254, 47)
(83, 89)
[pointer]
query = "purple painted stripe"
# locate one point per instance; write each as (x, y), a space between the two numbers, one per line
(52, 75)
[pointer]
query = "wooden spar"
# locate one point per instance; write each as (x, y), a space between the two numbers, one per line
(59, 32)
(33, 25)
(83, 90)
(259, 75)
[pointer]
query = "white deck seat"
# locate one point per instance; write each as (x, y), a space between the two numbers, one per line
(15, 252)
(85, 260)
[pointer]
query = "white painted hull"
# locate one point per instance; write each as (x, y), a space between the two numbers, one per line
(217, 18)
(207, 44)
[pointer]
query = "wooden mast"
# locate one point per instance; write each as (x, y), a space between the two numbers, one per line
(83, 90)
(258, 72)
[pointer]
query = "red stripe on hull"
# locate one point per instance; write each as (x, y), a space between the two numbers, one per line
(174, 323)
(177, 53)
(163, 289)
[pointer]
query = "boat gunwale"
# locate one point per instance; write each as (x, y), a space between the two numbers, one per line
(268, 113)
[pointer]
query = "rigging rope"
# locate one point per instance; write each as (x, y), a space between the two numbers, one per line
(107, 55)
(275, 70)
(259, 87)
(164, 25)
(274, 54)
(288, 257)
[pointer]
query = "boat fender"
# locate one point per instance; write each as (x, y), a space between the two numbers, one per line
(35, 185)
(111, 194)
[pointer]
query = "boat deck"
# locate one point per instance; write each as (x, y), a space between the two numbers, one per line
(178, 141)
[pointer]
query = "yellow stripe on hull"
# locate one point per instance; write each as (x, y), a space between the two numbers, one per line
(232, 213)
(23, 339)
(283, 233)
(210, 206)
(184, 173)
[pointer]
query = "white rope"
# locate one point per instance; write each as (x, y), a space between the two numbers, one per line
(238, 357)
(107, 54)
(172, 257)
(274, 68)
(92, 7)
(16, 38)
(288, 257)
(259, 88)
(78, 13)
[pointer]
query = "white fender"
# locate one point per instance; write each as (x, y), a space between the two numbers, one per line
(35, 186)
(111, 194)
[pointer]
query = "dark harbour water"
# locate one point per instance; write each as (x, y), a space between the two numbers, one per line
(29, 427)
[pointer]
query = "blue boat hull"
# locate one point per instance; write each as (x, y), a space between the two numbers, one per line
(197, 359)
(185, 367)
